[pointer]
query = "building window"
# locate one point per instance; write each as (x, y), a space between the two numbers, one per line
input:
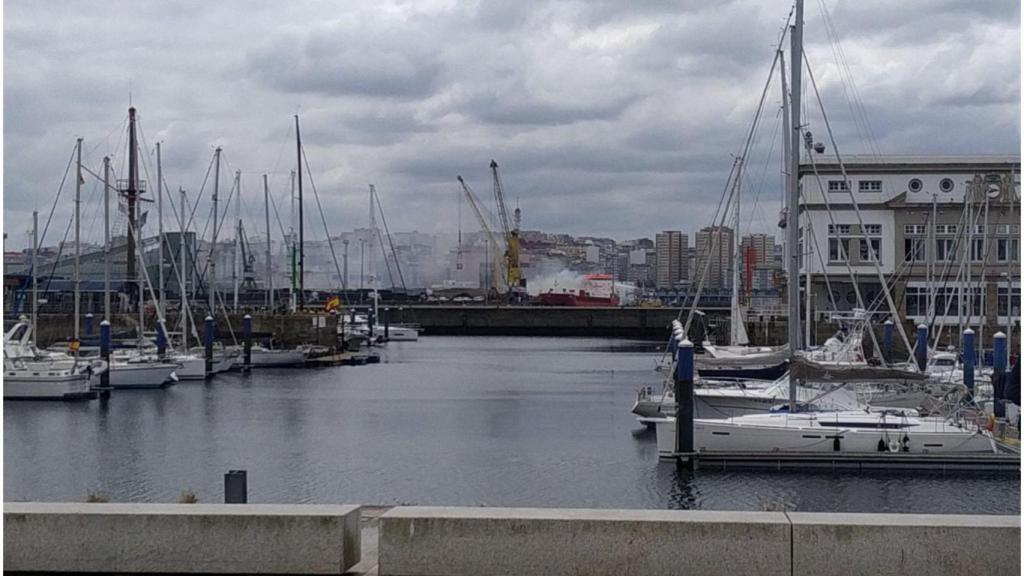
(838, 249)
(842, 229)
(915, 185)
(946, 185)
(916, 301)
(873, 238)
(869, 186)
(943, 249)
(1002, 300)
(913, 250)
(838, 186)
(1006, 249)
(949, 229)
(978, 250)
(914, 230)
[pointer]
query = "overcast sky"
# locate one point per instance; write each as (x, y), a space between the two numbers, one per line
(606, 118)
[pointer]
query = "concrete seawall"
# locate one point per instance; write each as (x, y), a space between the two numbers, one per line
(409, 541)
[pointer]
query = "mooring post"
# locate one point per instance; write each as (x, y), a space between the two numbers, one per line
(921, 347)
(105, 355)
(387, 324)
(236, 489)
(247, 342)
(887, 341)
(208, 344)
(161, 339)
(88, 324)
(968, 364)
(684, 397)
(998, 374)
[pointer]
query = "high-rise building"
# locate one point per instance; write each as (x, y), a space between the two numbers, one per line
(714, 252)
(758, 249)
(670, 246)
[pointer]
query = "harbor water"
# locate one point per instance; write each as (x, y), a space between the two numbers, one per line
(486, 421)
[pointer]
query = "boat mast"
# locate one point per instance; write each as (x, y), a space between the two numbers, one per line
(35, 275)
(106, 238)
(131, 195)
(270, 268)
(372, 263)
(235, 260)
(734, 313)
(182, 271)
(302, 238)
(793, 192)
(78, 239)
(160, 230)
(290, 244)
(213, 245)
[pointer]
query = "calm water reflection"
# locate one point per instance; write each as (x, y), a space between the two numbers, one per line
(471, 421)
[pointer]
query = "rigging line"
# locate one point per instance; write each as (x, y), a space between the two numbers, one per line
(67, 170)
(728, 187)
(856, 209)
(391, 277)
(818, 253)
(856, 103)
(839, 239)
(961, 234)
(394, 253)
(764, 171)
(323, 219)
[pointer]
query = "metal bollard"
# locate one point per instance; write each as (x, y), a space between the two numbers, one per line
(236, 489)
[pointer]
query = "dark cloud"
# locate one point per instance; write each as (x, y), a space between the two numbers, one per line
(608, 117)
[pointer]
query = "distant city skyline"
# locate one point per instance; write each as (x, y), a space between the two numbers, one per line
(610, 119)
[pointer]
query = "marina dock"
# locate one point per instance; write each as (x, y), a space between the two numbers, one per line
(1007, 462)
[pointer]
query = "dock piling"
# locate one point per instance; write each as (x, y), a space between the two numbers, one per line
(921, 347)
(161, 339)
(208, 344)
(887, 341)
(684, 397)
(387, 324)
(998, 374)
(105, 355)
(968, 364)
(247, 342)
(88, 324)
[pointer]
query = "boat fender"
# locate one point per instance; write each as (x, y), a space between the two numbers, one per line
(881, 444)
(835, 443)
(894, 446)
(906, 443)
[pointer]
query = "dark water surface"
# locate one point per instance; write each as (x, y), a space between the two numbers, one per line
(447, 420)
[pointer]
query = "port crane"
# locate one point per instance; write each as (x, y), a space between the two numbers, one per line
(516, 284)
(474, 203)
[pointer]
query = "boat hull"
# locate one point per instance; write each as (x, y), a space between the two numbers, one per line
(723, 436)
(142, 375)
(737, 369)
(70, 387)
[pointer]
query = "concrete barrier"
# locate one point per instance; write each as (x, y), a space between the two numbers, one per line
(182, 538)
(905, 544)
(503, 541)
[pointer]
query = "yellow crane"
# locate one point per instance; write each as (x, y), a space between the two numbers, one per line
(513, 271)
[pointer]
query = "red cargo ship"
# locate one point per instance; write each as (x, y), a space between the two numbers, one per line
(597, 290)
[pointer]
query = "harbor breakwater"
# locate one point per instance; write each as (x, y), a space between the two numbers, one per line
(333, 539)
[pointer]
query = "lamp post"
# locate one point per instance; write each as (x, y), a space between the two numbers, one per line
(362, 244)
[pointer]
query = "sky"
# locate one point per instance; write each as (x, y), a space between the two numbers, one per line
(608, 118)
